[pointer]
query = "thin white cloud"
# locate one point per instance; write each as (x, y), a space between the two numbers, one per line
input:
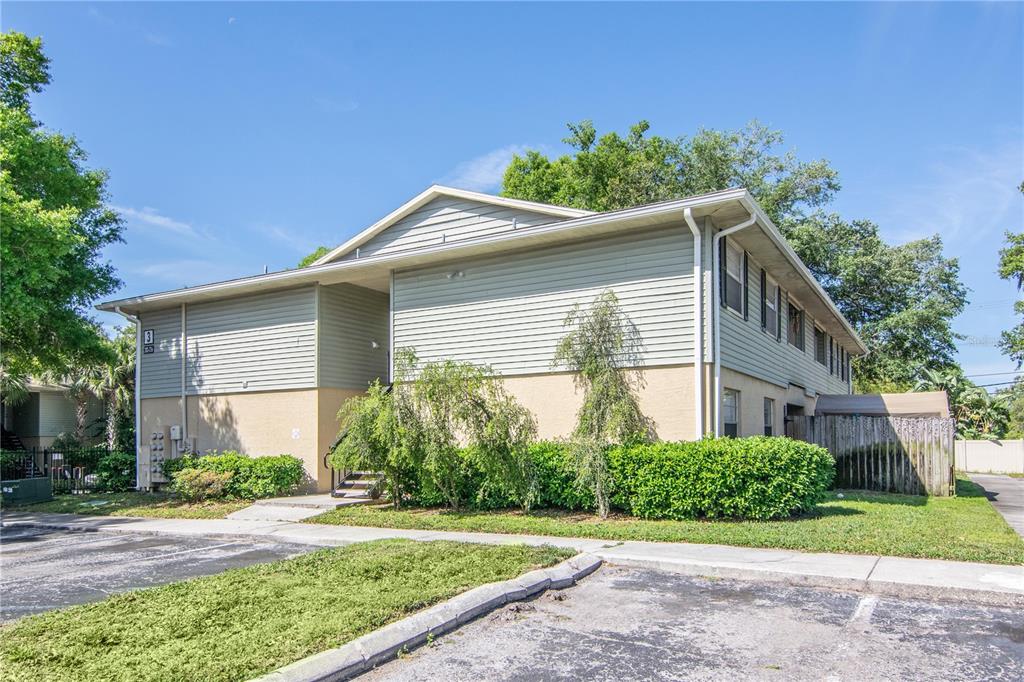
(289, 238)
(334, 105)
(157, 39)
(966, 194)
(484, 172)
(231, 20)
(190, 271)
(151, 217)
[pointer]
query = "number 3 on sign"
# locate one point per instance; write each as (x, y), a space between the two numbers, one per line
(147, 337)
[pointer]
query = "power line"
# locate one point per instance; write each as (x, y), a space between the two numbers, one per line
(994, 374)
(998, 383)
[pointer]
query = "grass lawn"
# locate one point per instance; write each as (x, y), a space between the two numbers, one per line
(964, 528)
(155, 505)
(247, 622)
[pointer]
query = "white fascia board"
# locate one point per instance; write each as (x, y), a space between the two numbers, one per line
(773, 233)
(313, 273)
(433, 192)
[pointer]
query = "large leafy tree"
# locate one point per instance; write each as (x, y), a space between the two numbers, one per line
(54, 223)
(902, 298)
(1011, 267)
(317, 254)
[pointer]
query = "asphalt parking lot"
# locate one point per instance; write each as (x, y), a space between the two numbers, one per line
(44, 569)
(629, 624)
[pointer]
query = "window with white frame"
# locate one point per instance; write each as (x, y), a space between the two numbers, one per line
(730, 412)
(733, 281)
(770, 305)
(820, 347)
(769, 416)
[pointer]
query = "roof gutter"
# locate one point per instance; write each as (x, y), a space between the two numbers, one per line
(137, 388)
(716, 310)
(698, 316)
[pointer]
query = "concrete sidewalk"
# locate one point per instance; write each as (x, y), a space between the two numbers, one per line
(934, 579)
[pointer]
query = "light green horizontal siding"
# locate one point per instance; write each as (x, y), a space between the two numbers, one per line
(508, 311)
(252, 343)
(57, 414)
(447, 220)
(351, 319)
(748, 349)
(161, 369)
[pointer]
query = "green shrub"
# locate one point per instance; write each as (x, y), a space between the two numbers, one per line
(557, 477)
(554, 473)
(115, 472)
(201, 484)
(251, 477)
(756, 478)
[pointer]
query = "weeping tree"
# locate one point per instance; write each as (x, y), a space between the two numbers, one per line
(378, 436)
(423, 426)
(603, 349)
(458, 403)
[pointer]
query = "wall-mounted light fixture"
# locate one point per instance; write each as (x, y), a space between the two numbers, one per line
(454, 274)
(374, 345)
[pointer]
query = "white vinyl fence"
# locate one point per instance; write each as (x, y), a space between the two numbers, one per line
(990, 456)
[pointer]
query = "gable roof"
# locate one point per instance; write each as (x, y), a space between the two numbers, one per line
(435, 191)
(730, 205)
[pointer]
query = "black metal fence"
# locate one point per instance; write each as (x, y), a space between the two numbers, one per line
(72, 470)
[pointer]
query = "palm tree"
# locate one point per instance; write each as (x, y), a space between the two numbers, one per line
(77, 381)
(113, 381)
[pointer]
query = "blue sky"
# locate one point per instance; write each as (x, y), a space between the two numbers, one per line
(242, 135)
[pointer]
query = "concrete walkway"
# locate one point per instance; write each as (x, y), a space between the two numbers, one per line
(1007, 495)
(986, 583)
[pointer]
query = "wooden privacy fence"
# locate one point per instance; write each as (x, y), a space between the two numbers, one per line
(910, 455)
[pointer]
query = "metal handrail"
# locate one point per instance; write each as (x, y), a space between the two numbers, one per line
(338, 476)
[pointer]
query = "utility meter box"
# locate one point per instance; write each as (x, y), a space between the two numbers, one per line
(176, 432)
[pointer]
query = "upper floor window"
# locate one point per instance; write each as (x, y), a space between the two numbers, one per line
(730, 412)
(734, 280)
(771, 305)
(820, 347)
(795, 333)
(831, 356)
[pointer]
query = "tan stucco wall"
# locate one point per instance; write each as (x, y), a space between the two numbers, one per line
(302, 423)
(753, 391)
(667, 398)
(330, 401)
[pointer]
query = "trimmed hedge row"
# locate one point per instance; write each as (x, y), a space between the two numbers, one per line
(757, 478)
(251, 478)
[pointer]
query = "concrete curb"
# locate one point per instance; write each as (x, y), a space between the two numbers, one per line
(380, 646)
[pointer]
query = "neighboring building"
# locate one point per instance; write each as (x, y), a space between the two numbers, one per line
(46, 413)
(262, 364)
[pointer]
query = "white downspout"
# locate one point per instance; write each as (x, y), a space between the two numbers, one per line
(698, 316)
(716, 312)
(184, 368)
(138, 387)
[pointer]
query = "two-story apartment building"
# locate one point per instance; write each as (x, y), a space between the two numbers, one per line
(736, 332)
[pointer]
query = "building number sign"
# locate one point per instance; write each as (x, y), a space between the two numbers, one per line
(147, 342)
